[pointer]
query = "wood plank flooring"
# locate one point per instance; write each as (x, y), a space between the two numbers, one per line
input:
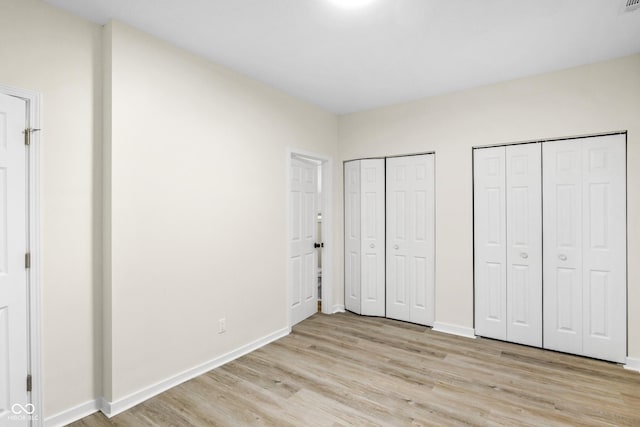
(345, 369)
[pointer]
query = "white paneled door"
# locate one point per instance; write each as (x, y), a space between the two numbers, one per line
(373, 258)
(302, 234)
(508, 243)
(352, 237)
(364, 237)
(585, 306)
(490, 252)
(410, 238)
(14, 399)
(524, 243)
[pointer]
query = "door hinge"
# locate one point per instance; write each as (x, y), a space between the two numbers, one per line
(27, 135)
(29, 383)
(27, 260)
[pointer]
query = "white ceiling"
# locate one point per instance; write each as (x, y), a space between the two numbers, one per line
(391, 51)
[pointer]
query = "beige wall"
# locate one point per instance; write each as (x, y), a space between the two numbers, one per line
(591, 99)
(197, 194)
(46, 50)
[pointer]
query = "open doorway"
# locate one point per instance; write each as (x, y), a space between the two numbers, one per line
(309, 235)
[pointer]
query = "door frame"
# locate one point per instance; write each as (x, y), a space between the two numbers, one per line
(33, 103)
(326, 170)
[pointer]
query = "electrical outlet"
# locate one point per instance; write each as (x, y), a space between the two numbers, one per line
(222, 323)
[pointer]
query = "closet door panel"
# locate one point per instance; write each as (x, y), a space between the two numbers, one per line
(490, 242)
(398, 265)
(410, 238)
(604, 247)
(423, 247)
(524, 244)
(352, 243)
(373, 239)
(562, 248)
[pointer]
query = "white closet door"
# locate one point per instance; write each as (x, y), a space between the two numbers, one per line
(562, 219)
(490, 242)
(303, 256)
(410, 238)
(585, 247)
(372, 237)
(524, 244)
(604, 247)
(352, 242)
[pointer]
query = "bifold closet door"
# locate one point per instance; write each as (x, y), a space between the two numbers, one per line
(410, 238)
(524, 243)
(490, 253)
(352, 242)
(584, 184)
(364, 237)
(508, 243)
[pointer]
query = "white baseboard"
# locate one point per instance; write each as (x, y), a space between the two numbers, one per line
(337, 308)
(633, 364)
(111, 409)
(74, 414)
(448, 328)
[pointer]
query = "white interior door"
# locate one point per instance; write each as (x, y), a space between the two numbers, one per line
(372, 237)
(410, 238)
(352, 241)
(524, 243)
(584, 188)
(490, 242)
(604, 254)
(302, 253)
(562, 192)
(13, 275)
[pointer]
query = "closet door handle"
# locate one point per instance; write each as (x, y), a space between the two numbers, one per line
(372, 246)
(524, 255)
(562, 257)
(396, 247)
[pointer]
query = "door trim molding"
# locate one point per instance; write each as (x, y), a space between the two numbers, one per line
(33, 101)
(327, 227)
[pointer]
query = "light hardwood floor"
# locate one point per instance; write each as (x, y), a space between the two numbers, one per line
(345, 369)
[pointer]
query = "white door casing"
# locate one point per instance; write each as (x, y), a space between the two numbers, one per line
(585, 246)
(524, 243)
(490, 242)
(13, 275)
(410, 243)
(302, 254)
(372, 181)
(352, 241)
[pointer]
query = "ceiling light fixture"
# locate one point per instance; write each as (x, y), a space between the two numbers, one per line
(352, 4)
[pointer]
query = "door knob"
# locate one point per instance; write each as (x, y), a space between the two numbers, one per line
(318, 245)
(524, 255)
(372, 246)
(396, 247)
(562, 257)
